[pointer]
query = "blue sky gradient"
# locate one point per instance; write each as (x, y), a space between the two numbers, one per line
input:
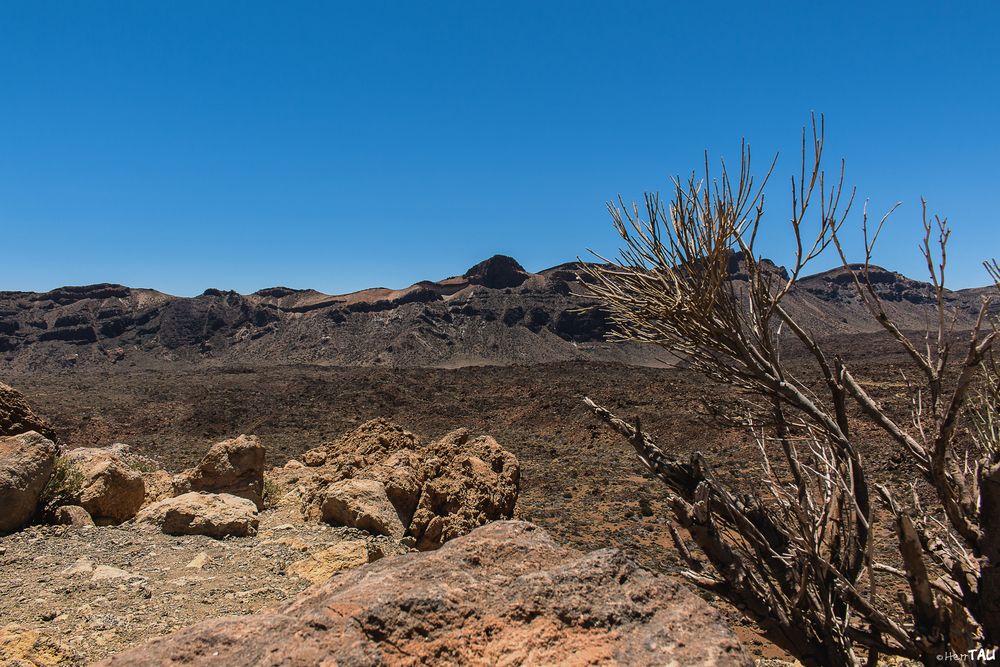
(240, 145)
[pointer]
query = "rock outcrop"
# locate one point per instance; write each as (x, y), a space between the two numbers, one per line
(26, 463)
(16, 416)
(497, 272)
(112, 492)
(233, 466)
(477, 482)
(381, 478)
(504, 594)
(212, 514)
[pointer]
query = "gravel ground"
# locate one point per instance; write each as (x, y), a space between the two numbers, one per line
(97, 590)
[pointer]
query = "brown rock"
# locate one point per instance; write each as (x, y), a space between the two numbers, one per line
(26, 463)
(363, 504)
(72, 515)
(159, 485)
(402, 476)
(505, 594)
(112, 492)
(370, 443)
(16, 416)
(193, 513)
(439, 491)
(233, 466)
(323, 564)
(478, 483)
(27, 647)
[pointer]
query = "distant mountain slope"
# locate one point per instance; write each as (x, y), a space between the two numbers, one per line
(495, 313)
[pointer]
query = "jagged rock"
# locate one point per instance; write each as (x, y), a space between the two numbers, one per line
(363, 504)
(193, 513)
(504, 594)
(26, 463)
(16, 416)
(368, 444)
(72, 515)
(233, 466)
(438, 491)
(112, 492)
(477, 482)
(402, 478)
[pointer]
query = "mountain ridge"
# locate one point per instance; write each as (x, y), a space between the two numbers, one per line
(494, 313)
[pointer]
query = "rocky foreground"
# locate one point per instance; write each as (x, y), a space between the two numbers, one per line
(375, 548)
(506, 594)
(73, 595)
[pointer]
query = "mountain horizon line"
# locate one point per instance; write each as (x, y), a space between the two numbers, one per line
(498, 257)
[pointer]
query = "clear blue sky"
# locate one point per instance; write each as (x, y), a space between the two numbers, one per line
(238, 145)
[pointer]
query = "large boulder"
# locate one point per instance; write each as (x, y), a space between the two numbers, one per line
(477, 481)
(363, 504)
(213, 514)
(111, 492)
(439, 490)
(16, 416)
(234, 466)
(504, 594)
(26, 463)
(368, 444)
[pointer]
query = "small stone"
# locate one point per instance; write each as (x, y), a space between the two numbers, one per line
(322, 565)
(199, 561)
(73, 516)
(106, 572)
(83, 565)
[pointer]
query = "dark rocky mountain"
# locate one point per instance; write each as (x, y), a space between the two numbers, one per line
(495, 313)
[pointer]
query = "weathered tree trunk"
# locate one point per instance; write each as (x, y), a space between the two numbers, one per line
(989, 580)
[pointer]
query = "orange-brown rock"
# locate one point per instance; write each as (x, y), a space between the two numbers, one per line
(193, 513)
(362, 504)
(368, 444)
(73, 516)
(234, 466)
(112, 491)
(438, 491)
(477, 481)
(159, 485)
(22, 646)
(26, 462)
(504, 594)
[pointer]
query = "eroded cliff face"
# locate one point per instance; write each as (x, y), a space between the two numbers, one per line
(494, 313)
